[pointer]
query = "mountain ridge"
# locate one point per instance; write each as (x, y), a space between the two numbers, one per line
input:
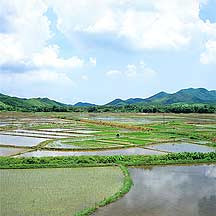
(188, 96)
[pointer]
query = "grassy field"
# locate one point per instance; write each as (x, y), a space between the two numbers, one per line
(51, 192)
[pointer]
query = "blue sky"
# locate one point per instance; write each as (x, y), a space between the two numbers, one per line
(99, 50)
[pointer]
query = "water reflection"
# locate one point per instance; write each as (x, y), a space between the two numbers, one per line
(182, 147)
(4, 151)
(19, 140)
(128, 151)
(168, 191)
(207, 204)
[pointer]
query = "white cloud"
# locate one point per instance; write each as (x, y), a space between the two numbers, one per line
(10, 49)
(131, 71)
(49, 58)
(144, 24)
(36, 83)
(209, 55)
(93, 61)
(25, 39)
(112, 73)
(27, 25)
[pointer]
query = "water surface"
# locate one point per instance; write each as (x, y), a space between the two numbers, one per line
(19, 140)
(182, 147)
(168, 191)
(4, 151)
(124, 119)
(128, 151)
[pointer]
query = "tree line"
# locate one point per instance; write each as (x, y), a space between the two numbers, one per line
(133, 108)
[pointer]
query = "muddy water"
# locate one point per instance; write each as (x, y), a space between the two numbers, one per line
(129, 151)
(168, 191)
(182, 147)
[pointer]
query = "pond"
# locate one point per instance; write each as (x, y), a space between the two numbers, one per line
(182, 147)
(19, 140)
(168, 191)
(128, 151)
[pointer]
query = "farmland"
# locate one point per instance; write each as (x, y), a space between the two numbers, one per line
(95, 151)
(86, 134)
(39, 191)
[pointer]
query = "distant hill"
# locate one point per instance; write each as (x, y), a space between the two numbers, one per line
(117, 102)
(190, 95)
(84, 104)
(23, 103)
(184, 96)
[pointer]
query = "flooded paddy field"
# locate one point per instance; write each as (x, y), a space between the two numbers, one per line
(182, 147)
(164, 191)
(168, 191)
(20, 140)
(56, 191)
(144, 118)
(126, 151)
(8, 151)
(71, 131)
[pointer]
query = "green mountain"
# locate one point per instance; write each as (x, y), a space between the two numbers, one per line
(117, 102)
(184, 96)
(23, 103)
(84, 104)
(190, 95)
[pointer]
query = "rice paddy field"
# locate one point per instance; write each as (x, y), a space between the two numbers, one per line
(66, 191)
(56, 134)
(50, 192)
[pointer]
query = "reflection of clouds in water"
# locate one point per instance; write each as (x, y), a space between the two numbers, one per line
(170, 188)
(211, 172)
(168, 191)
(207, 203)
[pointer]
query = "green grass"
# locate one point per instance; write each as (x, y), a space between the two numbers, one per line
(51, 192)
(127, 160)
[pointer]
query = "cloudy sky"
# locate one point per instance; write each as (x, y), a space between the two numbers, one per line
(98, 50)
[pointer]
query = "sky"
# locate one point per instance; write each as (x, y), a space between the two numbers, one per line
(98, 50)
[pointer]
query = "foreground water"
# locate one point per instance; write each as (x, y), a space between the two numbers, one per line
(168, 191)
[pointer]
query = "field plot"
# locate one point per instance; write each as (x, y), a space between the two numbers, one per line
(60, 192)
